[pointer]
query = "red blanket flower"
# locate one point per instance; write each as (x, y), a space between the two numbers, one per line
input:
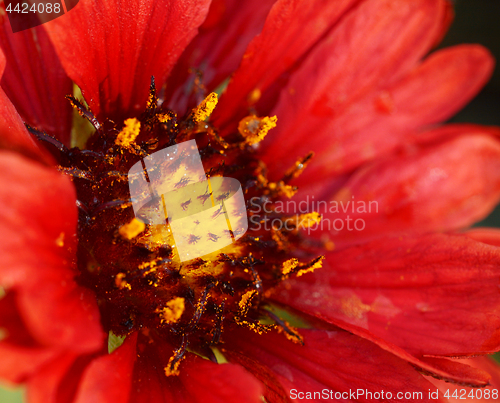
(357, 306)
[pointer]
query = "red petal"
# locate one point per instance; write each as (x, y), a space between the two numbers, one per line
(467, 394)
(58, 312)
(111, 49)
(109, 377)
(357, 59)
(440, 134)
(39, 205)
(470, 375)
(21, 356)
(332, 360)
(433, 295)
(217, 50)
(35, 81)
(57, 382)
(450, 77)
(446, 22)
(488, 364)
(13, 133)
(491, 236)
(435, 188)
(11, 322)
(380, 119)
(274, 391)
(37, 226)
(19, 362)
(280, 45)
(209, 382)
(457, 373)
(199, 380)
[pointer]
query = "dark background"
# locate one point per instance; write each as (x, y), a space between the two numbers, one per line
(478, 21)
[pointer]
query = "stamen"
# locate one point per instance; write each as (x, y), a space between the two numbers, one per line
(290, 332)
(289, 265)
(164, 117)
(245, 301)
(45, 137)
(172, 368)
(280, 188)
(112, 204)
(308, 220)
(173, 311)
(76, 173)
(310, 267)
(83, 112)
(152, 99)
(205, 108)
(298, 168)
(129, 133)
(200, 308)
(121, 283)
(292, 266)
(219, 319)
(254, 129)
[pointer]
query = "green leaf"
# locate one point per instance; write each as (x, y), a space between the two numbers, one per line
(8, 395)
(114, 341)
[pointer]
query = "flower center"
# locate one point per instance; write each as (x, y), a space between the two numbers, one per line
(133, 266)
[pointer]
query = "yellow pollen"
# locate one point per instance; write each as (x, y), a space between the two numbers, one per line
(254, 96)
(172, 371)
(329, 245)
(282, 189)
(173, 311)
(317, 264)
(292, 334)
(151, 99)
(205, 108)
(288, 190)
(163, 117)
(244, 303)
(150, 266)
(289, 265)
(308, 220)
(129, 133)
(303, 220)
(121, 283)
(132, 229)
(60, 240)
(354, 307)
(254, 129)
(256, 327)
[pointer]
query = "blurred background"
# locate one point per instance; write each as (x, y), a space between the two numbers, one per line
(476, 21)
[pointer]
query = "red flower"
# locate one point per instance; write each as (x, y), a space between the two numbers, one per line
(351, 81)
